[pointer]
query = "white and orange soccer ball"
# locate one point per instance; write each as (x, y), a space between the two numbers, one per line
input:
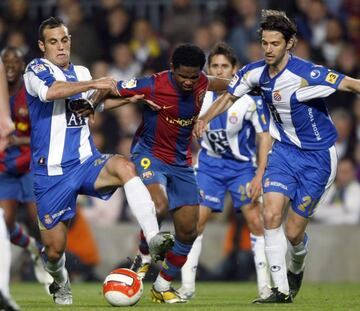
(122, 287)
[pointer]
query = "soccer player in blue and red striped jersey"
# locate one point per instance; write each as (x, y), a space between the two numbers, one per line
(162, 153)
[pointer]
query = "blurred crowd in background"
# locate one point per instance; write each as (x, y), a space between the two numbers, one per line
(126, 38)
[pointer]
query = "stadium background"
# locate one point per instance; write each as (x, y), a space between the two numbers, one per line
(129, 38)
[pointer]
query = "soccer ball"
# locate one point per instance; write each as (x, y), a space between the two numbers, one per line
(122, 287)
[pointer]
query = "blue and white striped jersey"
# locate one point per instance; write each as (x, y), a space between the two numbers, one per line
(232, 134)
(295, 99)
(59, 138)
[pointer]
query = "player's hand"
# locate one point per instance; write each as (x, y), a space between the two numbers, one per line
(254, 190)
(107, 83)
(199, 128)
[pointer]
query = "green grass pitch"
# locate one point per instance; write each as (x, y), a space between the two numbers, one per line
(209, 296)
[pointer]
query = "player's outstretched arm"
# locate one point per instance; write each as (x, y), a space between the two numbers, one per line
(221, 104)
(217, 84)
(350, 85)
(62, 89)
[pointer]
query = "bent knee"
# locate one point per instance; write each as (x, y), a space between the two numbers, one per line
(124, 169)
(187, 236)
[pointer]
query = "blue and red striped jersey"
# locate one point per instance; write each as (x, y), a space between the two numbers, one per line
(16, 159)
(167, 133)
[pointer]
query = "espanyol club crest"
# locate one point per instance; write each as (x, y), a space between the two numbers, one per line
(276, 96)
(233, 118)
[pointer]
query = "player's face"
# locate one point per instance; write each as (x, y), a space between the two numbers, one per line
(14, 66)
(221, 67)
(56, 46)
(274, 46)
(186, 77)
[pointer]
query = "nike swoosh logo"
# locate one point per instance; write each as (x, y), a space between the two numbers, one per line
(167, 107)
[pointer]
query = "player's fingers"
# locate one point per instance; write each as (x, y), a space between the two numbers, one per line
(152, 105)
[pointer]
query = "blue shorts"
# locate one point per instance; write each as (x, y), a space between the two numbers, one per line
(56, 195)
(179, 181)
(19, 188)
(217, 176)
(301, 175)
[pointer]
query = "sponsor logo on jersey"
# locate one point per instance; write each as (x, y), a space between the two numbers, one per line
(234, 80)
(218, 141)
(129, 84)
(181, 122)
(315, 74)
(38, 68)
(276, 96)
(72, 118)
(331, 77)
(147, 174)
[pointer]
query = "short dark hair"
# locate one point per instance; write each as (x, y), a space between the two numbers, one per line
(188, 55)
(51, 22)
(277, 21)
(223, 49)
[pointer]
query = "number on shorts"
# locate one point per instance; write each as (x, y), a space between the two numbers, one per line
(145, 163)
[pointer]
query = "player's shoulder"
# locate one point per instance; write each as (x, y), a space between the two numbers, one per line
(305, 69)
(38, 65)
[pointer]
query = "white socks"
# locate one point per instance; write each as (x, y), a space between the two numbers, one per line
(275, 249)
(297, 256)
(57, 270)
(261, 265)
(142, 207)
(188, 271)
(160, 284)
(5, 257)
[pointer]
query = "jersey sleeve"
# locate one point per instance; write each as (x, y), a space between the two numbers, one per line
(38, 79)
(135, 86)
(243, 81)
(261, 116)
(318, 82)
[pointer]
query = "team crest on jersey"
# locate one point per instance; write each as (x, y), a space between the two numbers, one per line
(234, 80)
(147, 175)
(331, 78)
(129, 84)
(48, 219)
(276, 96)
(233, 119)
(38, 68)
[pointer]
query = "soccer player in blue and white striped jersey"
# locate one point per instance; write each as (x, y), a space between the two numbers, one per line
(227, 163)
(65, 161)
(302, 164)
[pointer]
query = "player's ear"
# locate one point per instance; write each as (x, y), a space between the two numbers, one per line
(291, 43)
(41, 46)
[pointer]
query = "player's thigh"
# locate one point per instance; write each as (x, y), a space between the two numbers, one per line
(115, 172)
(317, 173)
(212, 189)
(237, 185)
(185, 221)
